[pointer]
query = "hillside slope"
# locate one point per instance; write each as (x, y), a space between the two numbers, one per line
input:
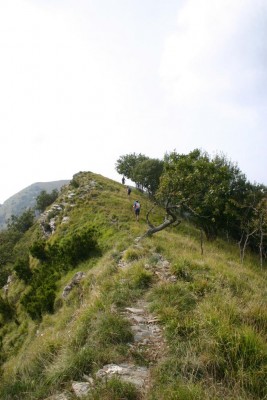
(25, 199)
(105, 314)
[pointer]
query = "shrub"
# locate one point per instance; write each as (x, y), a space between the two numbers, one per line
(6, 311)
(74, 183)
(22, 268)
(40, 298)
(37, 250)
(71, 249)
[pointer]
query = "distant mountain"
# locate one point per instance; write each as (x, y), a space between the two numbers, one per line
(25, 199)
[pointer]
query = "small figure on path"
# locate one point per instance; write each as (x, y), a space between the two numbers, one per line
(137, 207)
(123, 180)
(129, 190)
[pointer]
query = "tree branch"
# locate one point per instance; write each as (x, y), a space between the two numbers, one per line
(167, 222)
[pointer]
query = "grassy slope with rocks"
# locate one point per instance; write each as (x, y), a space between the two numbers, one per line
(210, 309)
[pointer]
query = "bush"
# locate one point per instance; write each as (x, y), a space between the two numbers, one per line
(38, 251)
(74, 183)
(41, 296)
(60, 256)
(78, 246)
(6, 311)
(69, 250)
(22, 268)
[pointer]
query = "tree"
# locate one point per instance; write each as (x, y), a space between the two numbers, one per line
(202, 187)
(45, 199)
(148, 173)
(126, 165)
(253, 226)
(262, 228)
(21, 223)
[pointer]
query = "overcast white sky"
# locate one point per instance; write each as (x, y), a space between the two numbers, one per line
(83, 82)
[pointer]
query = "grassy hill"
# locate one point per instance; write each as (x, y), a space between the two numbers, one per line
(192, 326)
(25, 199)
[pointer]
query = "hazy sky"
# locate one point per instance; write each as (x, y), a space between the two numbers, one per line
(83, 82)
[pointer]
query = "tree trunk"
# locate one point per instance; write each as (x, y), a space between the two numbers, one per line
(167, 222)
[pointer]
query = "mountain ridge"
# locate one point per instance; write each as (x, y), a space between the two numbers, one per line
(26, 198)
(193, 325)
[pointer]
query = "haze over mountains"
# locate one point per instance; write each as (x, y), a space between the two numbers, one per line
(26, 198)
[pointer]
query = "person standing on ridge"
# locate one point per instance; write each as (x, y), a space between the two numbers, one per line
(137, 207)
(123, 180)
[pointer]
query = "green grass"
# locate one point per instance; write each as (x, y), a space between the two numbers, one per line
(214, 317)
(113, 389)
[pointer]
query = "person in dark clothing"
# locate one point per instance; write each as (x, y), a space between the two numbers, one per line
(123, 180)
(129, 190)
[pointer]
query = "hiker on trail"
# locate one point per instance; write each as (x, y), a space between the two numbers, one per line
(129, 190)
(123, 180)
(137, 207)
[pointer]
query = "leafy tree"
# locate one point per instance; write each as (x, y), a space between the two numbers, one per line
(148, 173)
(261, 224)
(253, 222)
(205, 188)
(126, 165)
(45, 199)
(21, 223)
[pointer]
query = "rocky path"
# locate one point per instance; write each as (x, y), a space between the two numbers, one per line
(147, 348)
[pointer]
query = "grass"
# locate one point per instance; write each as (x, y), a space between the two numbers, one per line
(213, 317)
(114, 389)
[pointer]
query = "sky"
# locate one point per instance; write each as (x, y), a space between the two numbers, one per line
(83, 82)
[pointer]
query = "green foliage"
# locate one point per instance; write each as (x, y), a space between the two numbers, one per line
(75, 247)
(41, 295)
(38, 250)
(22, 223)
(142, 170)
(57, 257)
(23, 270)
(212, 317)
(147, 173)
(126, 165)
(8, 240)
(69, 250)
(45, 199)
(74, 183)
(4, 274)
(6, 310)
(213, 191)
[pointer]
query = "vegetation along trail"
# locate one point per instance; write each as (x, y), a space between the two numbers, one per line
(96, 305)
